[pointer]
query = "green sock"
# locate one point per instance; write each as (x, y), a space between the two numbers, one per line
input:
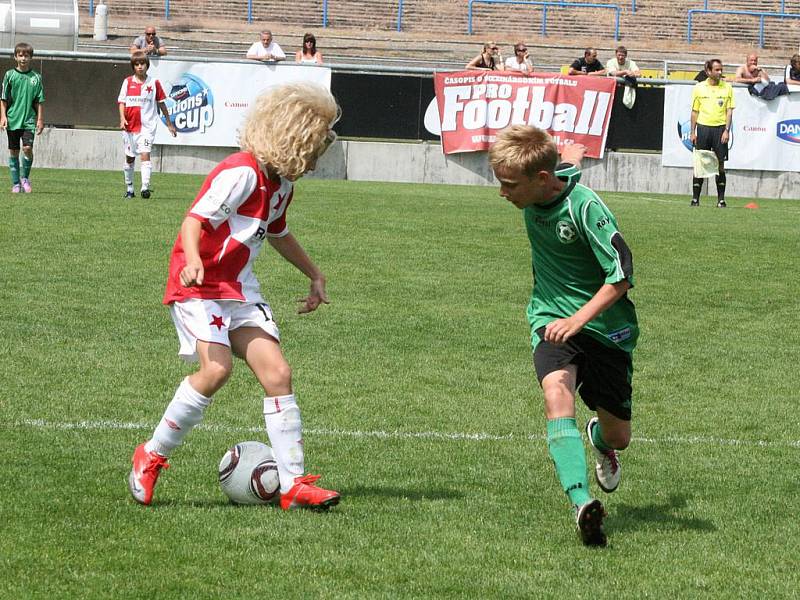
(597, 439)
(27, 163)
(13, 167)
(566, 450)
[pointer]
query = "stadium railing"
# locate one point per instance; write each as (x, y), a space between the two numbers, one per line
(750, 13)
(249, 16)
(544, 6)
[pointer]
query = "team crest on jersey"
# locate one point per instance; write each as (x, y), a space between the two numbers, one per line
(566, 232)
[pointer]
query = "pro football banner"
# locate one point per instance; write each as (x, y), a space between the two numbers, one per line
(208, 101)
(765, 134)
(473, 106)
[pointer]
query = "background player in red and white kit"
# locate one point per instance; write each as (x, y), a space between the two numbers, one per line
(140, 99)
(215, 299)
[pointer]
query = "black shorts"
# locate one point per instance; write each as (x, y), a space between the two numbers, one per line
(604, 373)
(15, 135)
(710, 138)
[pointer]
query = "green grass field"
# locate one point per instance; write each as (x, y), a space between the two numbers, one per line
(419, 402)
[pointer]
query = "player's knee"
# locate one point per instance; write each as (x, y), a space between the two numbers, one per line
(215, 374)
(278, 379)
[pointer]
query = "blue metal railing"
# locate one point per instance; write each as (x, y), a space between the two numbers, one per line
(324, 12)
(545, 5)
(749, 13)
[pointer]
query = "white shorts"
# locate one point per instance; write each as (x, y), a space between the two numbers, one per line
(211, 320)
(137, 143)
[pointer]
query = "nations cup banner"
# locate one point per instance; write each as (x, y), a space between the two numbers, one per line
(208, 101)
(473, 106)
(765, 134)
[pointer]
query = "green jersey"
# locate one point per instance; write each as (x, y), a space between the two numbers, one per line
(576, 248)
(22, 91)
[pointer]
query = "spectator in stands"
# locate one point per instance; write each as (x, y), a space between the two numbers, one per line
(792, 75)
(588, 65)
(520, 61)
(712, 112)
(149, 43)
(622, 66)
(266, 50)
(757, 80)
(309, 53)
(489, 59)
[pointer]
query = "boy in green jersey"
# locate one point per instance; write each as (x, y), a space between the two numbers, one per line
(21, 114)
(583, 326)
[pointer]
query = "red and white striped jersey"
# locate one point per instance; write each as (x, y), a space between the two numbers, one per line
(238, 207)
(141, 103)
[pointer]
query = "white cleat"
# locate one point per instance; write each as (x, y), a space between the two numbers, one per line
(607, 470)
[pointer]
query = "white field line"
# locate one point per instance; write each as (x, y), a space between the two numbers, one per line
(395, 435)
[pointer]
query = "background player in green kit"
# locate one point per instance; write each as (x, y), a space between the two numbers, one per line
(22, 114)
(583, 326)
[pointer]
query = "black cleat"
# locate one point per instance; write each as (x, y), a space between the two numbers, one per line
(721, 204)
(589, 519)
(145, 194)
(695, 202)
(129, 195)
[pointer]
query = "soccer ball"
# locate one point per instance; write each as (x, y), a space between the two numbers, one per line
(248, 474)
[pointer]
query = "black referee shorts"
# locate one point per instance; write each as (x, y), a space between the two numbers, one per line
(604, 373)
(710, 138)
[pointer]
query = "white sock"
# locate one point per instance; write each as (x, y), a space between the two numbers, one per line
(147, 169)
(128, 172)
(182, 414)
(285, 431)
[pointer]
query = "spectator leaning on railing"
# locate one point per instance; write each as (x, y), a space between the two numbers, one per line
(622, 66)
(149, 43)
(266, 50)
(489, 59)
(309, 53)
(757, 79)
(792, 75)
(520, 61)
(588, 64)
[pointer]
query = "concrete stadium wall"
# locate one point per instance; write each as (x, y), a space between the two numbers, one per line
(406, 163)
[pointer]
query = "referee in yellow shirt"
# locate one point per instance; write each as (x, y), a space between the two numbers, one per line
(712, 110)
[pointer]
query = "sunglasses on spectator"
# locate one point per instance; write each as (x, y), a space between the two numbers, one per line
(150, 33)
(520, 49)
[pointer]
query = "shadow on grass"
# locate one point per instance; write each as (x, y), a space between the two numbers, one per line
(663, 515)
(402, 493)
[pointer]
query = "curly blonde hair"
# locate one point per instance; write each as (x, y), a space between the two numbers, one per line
(288, 127)
(524, 148)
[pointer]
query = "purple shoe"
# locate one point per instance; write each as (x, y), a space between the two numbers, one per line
(15, 189)
(26, 185)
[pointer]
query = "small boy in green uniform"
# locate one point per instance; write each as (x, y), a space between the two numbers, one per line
(583, 326)
(21, 115)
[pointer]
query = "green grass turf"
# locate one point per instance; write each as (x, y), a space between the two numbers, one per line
(423, 344)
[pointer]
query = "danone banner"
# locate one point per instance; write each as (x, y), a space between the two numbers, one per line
(765, 134)
(473, 106)
(207, 101)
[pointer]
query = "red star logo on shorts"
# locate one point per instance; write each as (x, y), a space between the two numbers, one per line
(217, 320)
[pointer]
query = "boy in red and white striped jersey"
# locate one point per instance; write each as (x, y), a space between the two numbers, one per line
(215, 299)
(140, 99)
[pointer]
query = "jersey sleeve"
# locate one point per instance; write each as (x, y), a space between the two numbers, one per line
(731, 101)
(278, 227)
(229, 189)
(123, 92)
(606, 242)
(695, 99)
(160, 95)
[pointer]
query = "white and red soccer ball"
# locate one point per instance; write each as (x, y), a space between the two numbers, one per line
(248, 474)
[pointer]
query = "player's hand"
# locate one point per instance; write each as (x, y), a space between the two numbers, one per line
(192, 274)
(172, 130)
(724, 137)
(3, 123)
(560, 330)
(39, 127)
(693, 139)
(123, 123)
(316, 296)
(573, 154)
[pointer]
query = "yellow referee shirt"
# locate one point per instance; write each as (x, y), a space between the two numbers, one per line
(711, 102)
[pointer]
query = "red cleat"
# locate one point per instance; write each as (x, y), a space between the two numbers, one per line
(146, 469)
(304, 494)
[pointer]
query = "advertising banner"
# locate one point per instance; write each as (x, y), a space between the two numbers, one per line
(765, 134)
(207, 101)
(473, 106)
